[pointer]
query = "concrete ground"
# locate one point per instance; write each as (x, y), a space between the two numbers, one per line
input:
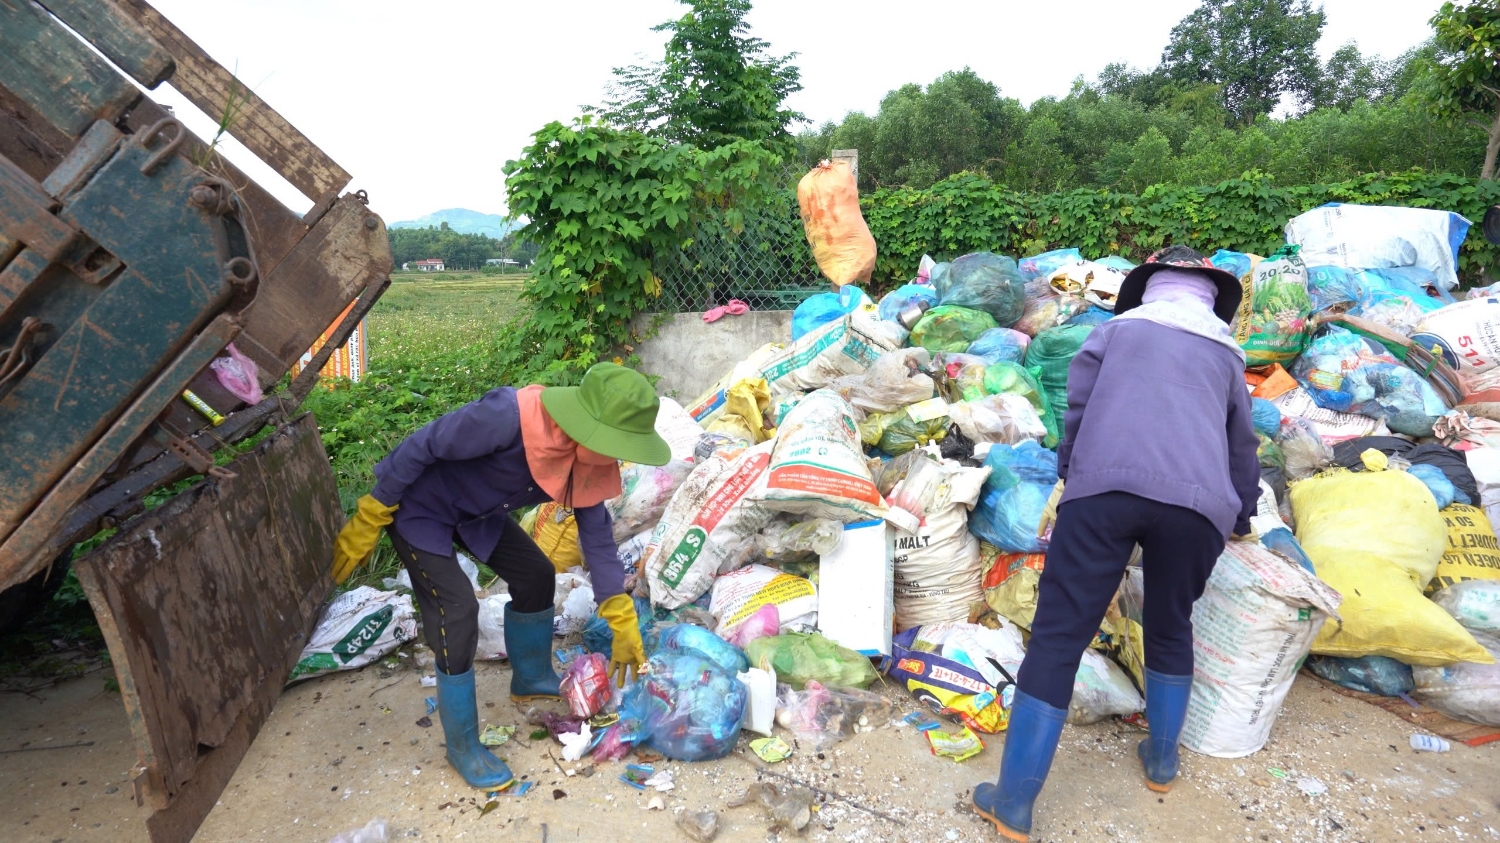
(341, 750)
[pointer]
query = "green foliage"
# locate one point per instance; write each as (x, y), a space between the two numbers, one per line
(970, 213)
(715, 85)
(1466, 76)
(1256, 51)
(604, 203)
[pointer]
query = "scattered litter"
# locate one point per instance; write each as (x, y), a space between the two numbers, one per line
(656, 803)
(424, 721)
(1311, 786)
(773, 749)
(1429, 743)
(789, 807)
(373, 832)
(577, 743)
(494, 735)
(701, 826)
(636, 775)
(520, 788)
(431, 704)
(921, 722)
(960, 746)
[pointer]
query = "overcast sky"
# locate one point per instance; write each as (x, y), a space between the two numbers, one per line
(424, 102)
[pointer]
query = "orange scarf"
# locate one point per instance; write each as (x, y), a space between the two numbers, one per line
(572, 479)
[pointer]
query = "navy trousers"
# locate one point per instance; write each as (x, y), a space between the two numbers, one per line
(1091, 545)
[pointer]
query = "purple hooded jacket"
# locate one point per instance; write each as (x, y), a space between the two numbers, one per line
(1164, 414)
(463, 475)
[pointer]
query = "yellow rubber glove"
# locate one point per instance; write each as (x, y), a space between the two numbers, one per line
(357, 540)
(628, 652)
(1049, 512)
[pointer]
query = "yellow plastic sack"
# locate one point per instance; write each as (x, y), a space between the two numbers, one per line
(555, 531)
(836, 231)
(1010, 583)
(1472, 554)
(1376, 538)
(747, 405)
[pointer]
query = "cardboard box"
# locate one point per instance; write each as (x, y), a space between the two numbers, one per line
(855, 582)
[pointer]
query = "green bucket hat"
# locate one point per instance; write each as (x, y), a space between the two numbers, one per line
(612, 412)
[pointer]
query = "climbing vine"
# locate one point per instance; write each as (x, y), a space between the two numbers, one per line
(603, 203)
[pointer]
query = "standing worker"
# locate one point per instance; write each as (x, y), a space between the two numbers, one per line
(458, 480)
(1157, 451)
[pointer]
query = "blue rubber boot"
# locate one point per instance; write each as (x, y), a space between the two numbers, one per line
(1030, 742)
(1166, 709)
(460, 715)
(528, 644)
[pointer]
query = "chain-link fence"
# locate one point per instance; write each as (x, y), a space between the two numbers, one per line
(768, 266)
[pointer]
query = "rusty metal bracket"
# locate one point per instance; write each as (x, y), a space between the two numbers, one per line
(145, 139)
(198, 458)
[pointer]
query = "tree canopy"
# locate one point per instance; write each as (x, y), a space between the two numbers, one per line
(1465, 81)
(716, 84)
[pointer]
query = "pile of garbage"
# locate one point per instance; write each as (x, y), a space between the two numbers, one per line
(865, 498)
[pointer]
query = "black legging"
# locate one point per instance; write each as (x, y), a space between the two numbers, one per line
(450, 611)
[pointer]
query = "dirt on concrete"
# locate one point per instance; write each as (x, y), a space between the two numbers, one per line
(341, 750)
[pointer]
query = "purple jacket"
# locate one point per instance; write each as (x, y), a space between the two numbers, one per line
(464, 473)
(1164, 414)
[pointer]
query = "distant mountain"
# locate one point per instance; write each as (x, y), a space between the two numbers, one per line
(464, 221)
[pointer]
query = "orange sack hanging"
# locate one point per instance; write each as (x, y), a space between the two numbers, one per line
(840, 240)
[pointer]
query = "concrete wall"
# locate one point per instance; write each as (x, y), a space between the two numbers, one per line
(689, 354)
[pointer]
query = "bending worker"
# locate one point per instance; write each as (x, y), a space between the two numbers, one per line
(459, 480)
(1157, 451)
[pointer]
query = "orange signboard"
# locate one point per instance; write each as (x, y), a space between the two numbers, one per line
(349, 361)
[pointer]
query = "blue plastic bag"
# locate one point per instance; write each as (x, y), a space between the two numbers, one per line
(685, 638)
(899, 299)
(1442, 489)
(684, 706)
(984, 281)
(1040, 266)
(824, 308)
(1265, 417)
(1370, 674)
(1095, 315)
(1342, 371)
(1329, 286)
(1000, 345)
(1010, 508)
(1234, 263)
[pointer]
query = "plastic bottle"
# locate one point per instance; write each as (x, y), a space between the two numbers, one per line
(1428, 743)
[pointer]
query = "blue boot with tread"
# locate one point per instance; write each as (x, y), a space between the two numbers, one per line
(1166, 709)
(1030, 742)
(528, 645)
(458, 710)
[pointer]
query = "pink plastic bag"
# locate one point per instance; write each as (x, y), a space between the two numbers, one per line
(765, 621)
(585, 685)
(238, 374)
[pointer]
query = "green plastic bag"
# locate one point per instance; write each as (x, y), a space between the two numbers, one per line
(950, 328)
(799, 657)
(1019, 380)
(896, 433)
(1051, 352)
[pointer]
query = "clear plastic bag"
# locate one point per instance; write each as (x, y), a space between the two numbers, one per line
(1043, 265)
(800, 657)
(373, 832)
(1004, 417)
(684, 706)
(1101, 690)
(784, 541)
(1348, 374)
(819, 717)
(985, 281)
(1473, 603)
(1010, 509)
(907, 295)
(1463, 690)
(1370, 674)
(950, 328)
(999, 344)
(645, 491)
(894, 380)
